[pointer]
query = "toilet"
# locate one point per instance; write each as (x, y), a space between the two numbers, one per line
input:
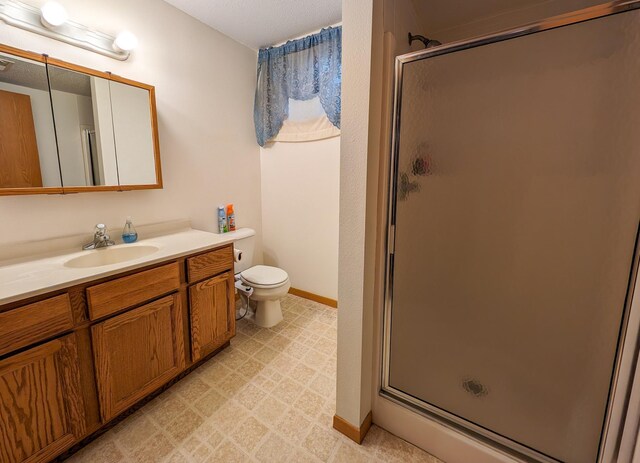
(268, 284)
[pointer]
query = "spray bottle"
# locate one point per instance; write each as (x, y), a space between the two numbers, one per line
(231, 218)
(222, 220)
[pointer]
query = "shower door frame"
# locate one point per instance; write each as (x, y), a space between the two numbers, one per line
(612, 438)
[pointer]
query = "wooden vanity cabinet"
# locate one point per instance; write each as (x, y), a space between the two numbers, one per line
(34, 322)
(210, 263)
(74, 360)
(115, 295)
(212, 312)
(136, 353)
(41, 406)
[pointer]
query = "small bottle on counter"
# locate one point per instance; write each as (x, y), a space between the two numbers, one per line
(222, 220)
(231, 217)
(129, 234)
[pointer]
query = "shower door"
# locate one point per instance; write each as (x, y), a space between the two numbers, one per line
(514, 212)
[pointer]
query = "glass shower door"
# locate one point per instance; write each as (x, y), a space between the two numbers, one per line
(515, 215)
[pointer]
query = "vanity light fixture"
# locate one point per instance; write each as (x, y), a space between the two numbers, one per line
(125, 41)
(53, 15)
(52, 21)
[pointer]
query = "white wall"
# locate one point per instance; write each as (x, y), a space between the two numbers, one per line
(204, 88)
(360, 47)
(300, 212)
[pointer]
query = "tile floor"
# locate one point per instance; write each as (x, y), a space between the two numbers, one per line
(269, 397)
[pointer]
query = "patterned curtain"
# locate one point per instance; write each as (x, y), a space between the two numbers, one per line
(300, 70)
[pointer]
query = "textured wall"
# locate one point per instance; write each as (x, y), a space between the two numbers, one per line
(353, 398)
(300, 208)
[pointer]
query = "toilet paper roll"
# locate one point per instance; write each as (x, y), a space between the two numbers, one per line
(237, 255)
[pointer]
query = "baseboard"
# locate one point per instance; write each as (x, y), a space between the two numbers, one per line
(355, 434)
(314, 297)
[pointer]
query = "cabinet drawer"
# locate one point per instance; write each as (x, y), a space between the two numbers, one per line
(210, 263)
(115, 295)
(34, 322)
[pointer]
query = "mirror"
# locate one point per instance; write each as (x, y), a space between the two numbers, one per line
(132, 127)
(68, 129)
(28, 153)
(82, 114)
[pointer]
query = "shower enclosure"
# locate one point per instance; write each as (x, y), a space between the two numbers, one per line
(512, 234)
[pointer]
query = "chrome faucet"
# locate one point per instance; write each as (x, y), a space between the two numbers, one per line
(100, 238)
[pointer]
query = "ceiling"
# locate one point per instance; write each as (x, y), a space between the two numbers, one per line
(68, 81)
(24, 73)
(31, 74)
(261, 23)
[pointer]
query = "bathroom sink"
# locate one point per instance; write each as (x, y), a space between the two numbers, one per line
(108, 256)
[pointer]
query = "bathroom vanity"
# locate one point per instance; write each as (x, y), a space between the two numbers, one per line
(82, 344)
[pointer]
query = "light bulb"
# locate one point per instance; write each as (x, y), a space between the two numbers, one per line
(52, 14)
(125, 41)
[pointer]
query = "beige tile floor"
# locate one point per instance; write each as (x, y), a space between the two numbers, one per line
(269, 397)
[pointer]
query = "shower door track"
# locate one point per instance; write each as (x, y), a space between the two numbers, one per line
(620, 387)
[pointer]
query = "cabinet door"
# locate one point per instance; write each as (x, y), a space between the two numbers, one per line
(212, 310)
(41, 406)
(137, 352)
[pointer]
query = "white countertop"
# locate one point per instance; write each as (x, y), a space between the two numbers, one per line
(25, 278)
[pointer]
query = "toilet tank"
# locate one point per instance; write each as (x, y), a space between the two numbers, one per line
(245, 242)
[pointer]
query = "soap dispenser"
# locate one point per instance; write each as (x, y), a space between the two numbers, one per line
(129, 234)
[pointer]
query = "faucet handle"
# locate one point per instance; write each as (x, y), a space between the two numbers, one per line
(101, 229)
(100, 238)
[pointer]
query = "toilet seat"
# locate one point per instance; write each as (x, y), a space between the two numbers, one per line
(264, 276)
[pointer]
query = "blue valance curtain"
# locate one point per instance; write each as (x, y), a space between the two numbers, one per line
(300, 69)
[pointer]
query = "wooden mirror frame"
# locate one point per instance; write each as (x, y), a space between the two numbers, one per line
(46, 60)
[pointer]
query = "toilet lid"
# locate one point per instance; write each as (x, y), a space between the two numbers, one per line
(264, 275)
